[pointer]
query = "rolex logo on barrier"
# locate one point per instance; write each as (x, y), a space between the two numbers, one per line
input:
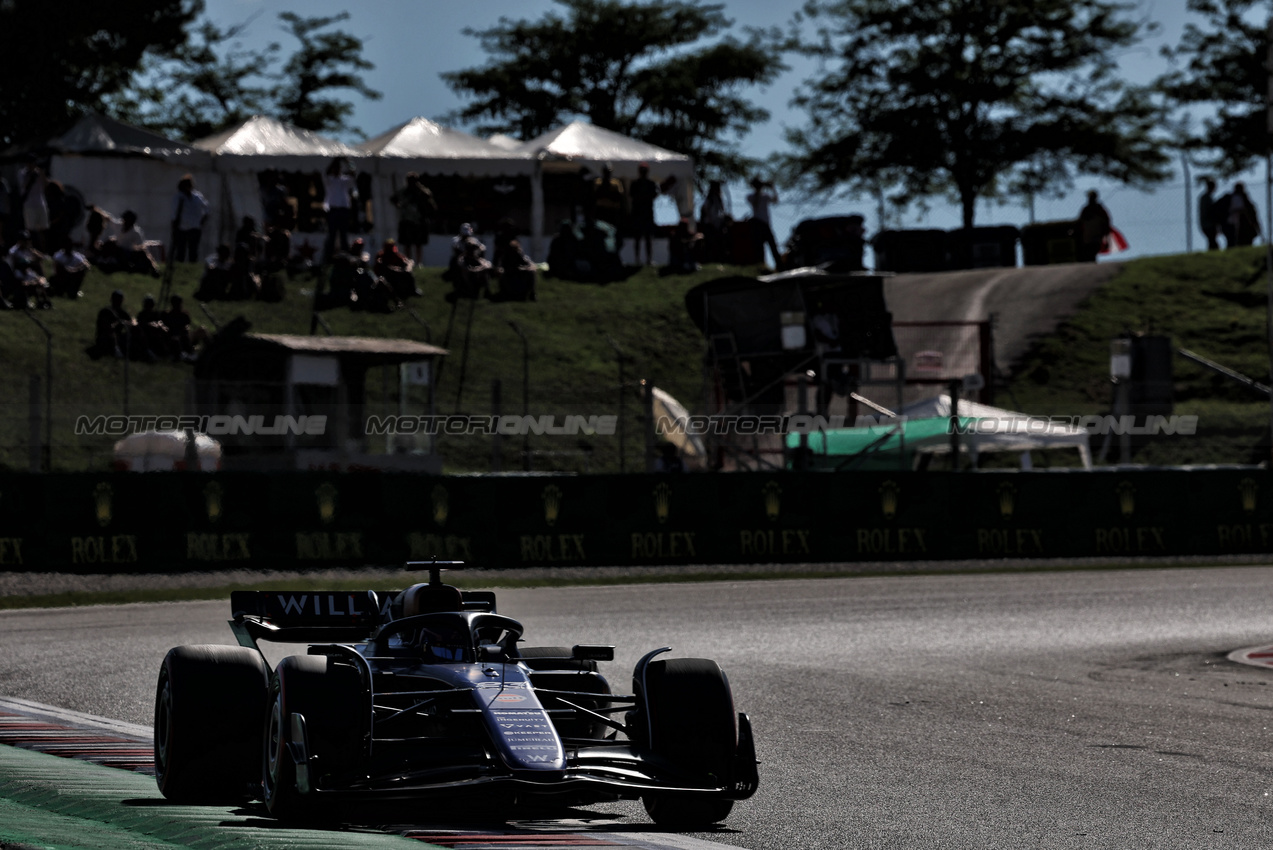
(102, 500)
(552, 504)
(1126, 498)
(441, 504)
(773, 500)
(1248, 490)
(1007, 500)
(326, 495)
(662, 501)
(212, 500)
(890, 492)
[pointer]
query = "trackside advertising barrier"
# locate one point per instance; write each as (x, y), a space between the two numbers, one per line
(159, 522)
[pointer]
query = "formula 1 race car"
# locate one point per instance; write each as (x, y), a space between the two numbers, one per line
(426, 694)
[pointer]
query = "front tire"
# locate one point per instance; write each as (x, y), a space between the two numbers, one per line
(208, 706)
(690, 722)
(329, 696)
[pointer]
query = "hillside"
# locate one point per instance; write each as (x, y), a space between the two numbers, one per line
(1210, 303)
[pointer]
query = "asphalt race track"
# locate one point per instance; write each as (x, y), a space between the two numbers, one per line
(1067, 709)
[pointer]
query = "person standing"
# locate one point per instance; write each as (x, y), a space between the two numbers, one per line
(1208, 219)
(1094, 227)
(416, 210)
(642, 195)
(1241, 223)
(338, 188)
(712, 220)
(35, 208)
(189, 213)
(763, 196)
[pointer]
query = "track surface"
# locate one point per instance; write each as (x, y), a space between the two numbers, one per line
(1084, 709)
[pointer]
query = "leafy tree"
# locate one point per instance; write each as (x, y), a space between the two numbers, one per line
(206, 85)
(65, 59)
(1223, 68)
(325, 61)
(967, 98)
(640, 69)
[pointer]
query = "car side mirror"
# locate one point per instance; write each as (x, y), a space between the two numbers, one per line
(490, 652)
(592, 652)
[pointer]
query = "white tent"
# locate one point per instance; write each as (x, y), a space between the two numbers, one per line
(580, 144)
(241, 153)
(999, 430)
(118, 167)
(431, 150)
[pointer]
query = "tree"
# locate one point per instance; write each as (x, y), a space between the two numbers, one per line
(636, 68)
(968, 97)
(1224, 70)
(325, 61)
(66, 59)
(204, 86)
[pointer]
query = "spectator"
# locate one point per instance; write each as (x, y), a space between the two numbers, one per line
(607, 198)
(6, 211)
(1208, 215)
(189, 212)
(1093, 229)
(1241, 223)
(762, 197)
(338, 191)
(177, 321)
(27, 264)
(683, 249)
(215, 283)
(245, 283)
(114, 329)
(712, 223)
(95, 226)
(643, 193)
(517, 273)
(11, 295)
(416, 210)
(395, 270)
(64, 211)
(152, 331)
(69, 269)
(248, 236)
(35, 208)
(131, 248)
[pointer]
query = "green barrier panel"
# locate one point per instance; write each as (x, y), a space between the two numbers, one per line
(185, 521)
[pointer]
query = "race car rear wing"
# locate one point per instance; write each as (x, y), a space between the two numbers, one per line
(322, 616)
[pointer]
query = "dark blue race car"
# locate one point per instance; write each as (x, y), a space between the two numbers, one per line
(426, 694)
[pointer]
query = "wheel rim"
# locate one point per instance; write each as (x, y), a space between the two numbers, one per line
(163, 727)
(274, 748)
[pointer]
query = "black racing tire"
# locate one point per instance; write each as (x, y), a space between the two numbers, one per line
(691, 723)
(209, 701)
(332, 699)
(552, 658)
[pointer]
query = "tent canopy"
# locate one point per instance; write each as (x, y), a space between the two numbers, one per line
(581, 143)
(263, 138)
(421, 138)
(98, 135)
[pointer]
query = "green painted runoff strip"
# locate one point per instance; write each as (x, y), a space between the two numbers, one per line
(60, 803)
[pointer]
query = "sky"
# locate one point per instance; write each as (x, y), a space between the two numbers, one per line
(411, 42)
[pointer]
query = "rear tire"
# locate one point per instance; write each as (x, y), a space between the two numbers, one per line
(208, 706)
(331, 698)
(691, 723)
